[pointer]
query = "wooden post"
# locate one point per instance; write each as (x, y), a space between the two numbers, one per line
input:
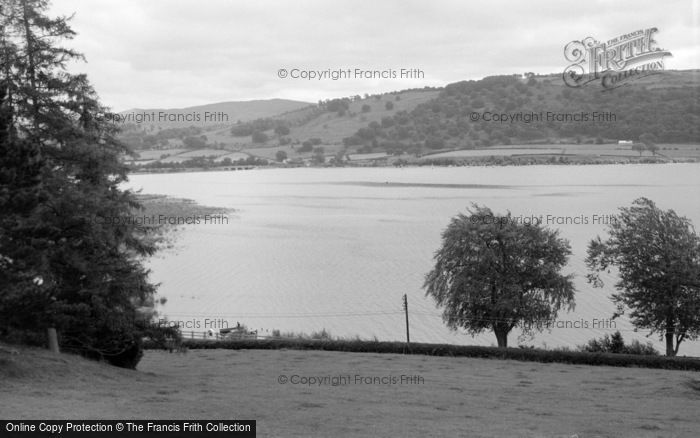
(53, 340)
(405, 308)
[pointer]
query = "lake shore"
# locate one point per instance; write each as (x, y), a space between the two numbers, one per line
(437, 162)
(504, 155)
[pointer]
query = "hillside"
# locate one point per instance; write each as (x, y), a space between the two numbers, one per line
(504, 110)
(214, 114)
(218, 141)
(535, 111)
(492, 397)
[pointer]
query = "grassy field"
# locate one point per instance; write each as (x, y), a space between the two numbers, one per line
(269, 153)
(447, 396)
(673, 151)
(332, 128)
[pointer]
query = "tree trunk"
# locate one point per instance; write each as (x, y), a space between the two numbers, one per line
(670, 332)
(670, 351)
(501, 336)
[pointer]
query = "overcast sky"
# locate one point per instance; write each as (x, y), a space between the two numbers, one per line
(179, 53)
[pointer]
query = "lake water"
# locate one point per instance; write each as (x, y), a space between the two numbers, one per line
(309, 249)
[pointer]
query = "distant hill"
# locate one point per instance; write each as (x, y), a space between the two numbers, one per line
(420, 122)
(324, 121)
(214, 114)
(304, 120)
(470, 114)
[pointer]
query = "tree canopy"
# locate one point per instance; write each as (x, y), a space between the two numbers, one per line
(493, 272)
(674, 117)
(657, 255)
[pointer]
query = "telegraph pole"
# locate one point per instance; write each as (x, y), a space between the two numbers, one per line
(405, 308)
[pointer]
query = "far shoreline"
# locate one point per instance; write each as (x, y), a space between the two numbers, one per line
(410, 166)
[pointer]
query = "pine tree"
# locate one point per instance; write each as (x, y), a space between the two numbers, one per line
(60, 177)
(21, 192)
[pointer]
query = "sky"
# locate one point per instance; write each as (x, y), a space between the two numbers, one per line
(180, 53)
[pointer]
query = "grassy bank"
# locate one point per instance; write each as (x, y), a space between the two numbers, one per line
(447, 396)
(163, 215)
(169, 207)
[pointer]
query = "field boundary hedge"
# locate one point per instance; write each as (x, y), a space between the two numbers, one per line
(520, 354)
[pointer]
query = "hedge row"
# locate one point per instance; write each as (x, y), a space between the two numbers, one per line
(522, 354)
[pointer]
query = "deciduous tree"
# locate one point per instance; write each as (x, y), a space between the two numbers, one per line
(649, 142)
(281, 156)
(495, 273)
(657, 256)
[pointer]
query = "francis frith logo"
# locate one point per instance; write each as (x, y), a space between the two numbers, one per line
(614, 62)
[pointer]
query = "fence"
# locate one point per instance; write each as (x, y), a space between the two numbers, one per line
(212, 335)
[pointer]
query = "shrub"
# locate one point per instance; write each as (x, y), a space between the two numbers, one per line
(636, 347)
(118, 346)
(322, 335)
(615, 344)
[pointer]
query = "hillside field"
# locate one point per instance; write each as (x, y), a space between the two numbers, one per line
(670, 151)
(446, 396)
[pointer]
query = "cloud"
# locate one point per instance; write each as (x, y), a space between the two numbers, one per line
(177, 53)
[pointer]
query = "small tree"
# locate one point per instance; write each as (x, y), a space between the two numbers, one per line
(493, 272)
(306, 146)
(338, 105)
(639, 147)
(281, 130)
(259, 137)
(281, 156)
(649, 142)
(194, 142)
(339, 157)
(657, 254)
(319, 155)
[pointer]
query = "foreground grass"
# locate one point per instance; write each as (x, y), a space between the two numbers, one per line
(455, 396)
